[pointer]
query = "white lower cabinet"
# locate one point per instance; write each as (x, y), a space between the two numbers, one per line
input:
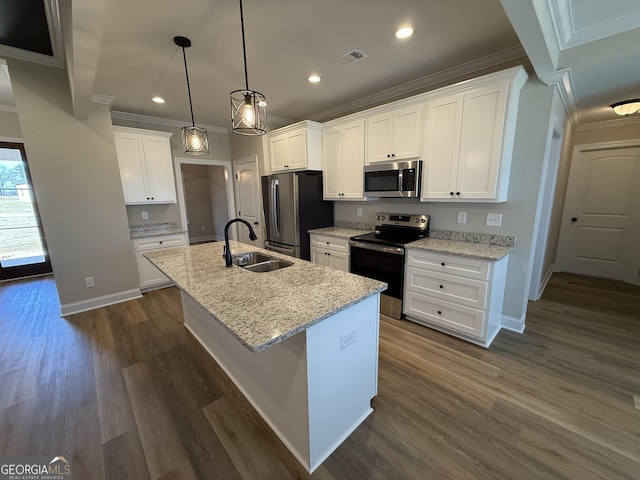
(457, 295)
(150, 276)
(330, 251)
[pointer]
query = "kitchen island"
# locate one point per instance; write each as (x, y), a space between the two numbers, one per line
(301, 343)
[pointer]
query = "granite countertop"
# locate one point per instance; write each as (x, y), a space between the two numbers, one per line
(154, 230)
(481, 251)
(261, 309)
(339, 232)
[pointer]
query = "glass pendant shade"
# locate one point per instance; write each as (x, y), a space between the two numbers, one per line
(195, 140)
(248, 112)
(627, 107)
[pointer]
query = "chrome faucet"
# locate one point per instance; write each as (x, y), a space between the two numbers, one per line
(227, 251)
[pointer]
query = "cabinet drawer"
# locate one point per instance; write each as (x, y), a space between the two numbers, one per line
(451, 264)
(454, 317)
(156, 243)
(452, 288)
(327, 242)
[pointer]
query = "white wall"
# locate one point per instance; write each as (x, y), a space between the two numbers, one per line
(77, 184)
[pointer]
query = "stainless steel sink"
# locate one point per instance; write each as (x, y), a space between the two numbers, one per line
(259, 262)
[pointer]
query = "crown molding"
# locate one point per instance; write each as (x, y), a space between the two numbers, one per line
(563, 81)
(617, 122)
(102, 99)
(134, 117)
(422, 84)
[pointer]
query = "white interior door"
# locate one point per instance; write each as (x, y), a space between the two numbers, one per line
(248, 205)
(601, 220)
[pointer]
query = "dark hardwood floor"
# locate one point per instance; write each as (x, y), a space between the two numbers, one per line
(127, 393)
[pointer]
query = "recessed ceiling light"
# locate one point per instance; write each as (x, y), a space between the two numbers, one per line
(314, 79)
(404, 32)
(158, 99)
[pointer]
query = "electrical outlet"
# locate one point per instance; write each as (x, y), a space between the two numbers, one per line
(494, 219)
(347, 339)
(145, 215)
(359, 211)
(462, 217)
(88, 282)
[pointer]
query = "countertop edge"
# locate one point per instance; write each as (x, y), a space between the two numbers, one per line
(460, 248)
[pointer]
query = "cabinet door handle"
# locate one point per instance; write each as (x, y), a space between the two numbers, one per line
(458, 193)
(451, 193)
(160, 242)
(439, 312)
(441, 286)
(574, 219)
(442, 264)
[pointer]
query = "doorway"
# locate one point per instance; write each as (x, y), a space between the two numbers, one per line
(23, 250)
(205, 190)
(601, 219)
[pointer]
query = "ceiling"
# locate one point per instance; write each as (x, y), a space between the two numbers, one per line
(125, 50)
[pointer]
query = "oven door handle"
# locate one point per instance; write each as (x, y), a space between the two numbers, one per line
(377, 248)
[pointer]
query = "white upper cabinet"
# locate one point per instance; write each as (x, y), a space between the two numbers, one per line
(394, 134)
(296, 147)
(468, 139)
(145, 163)
(343, 160)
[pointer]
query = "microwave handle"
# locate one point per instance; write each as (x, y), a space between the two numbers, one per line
(400, 183)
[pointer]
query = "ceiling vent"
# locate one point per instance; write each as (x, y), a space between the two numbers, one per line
(349, 58)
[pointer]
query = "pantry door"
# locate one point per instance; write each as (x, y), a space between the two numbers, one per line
(600, 232)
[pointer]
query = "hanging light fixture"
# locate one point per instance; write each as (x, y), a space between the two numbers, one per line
(248, 107)
(194, 138)
(626, 107)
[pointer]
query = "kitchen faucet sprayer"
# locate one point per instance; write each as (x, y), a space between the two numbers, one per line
(227, 251)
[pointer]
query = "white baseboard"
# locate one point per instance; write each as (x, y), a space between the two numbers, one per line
(514, 324)
(97, 302)
(545, 281)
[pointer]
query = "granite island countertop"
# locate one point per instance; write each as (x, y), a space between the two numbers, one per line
(481, 251)
(261, 309)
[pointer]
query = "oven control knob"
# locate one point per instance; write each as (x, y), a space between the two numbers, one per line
(422, 220)
(382, 217)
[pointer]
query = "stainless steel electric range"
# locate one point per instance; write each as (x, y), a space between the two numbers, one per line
(380, 254)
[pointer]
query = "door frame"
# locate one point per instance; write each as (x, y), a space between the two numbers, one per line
(42, 268)
(228, 180)
(566, 213)
(253, 159)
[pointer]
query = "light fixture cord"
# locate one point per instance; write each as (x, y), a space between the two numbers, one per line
(244, 49)
(186, 72)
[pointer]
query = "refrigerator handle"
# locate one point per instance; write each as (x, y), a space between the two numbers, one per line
(275, 207)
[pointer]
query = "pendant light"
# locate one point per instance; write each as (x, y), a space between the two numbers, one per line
(194, 138)
(248, 107)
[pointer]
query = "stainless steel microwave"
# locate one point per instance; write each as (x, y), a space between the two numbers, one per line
(397, 179)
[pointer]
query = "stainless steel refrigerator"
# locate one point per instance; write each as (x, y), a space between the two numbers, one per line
(293, 205)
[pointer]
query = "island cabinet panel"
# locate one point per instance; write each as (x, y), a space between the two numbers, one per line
(145, 163)
(314, 388)
(458, 295)
(296, 147)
